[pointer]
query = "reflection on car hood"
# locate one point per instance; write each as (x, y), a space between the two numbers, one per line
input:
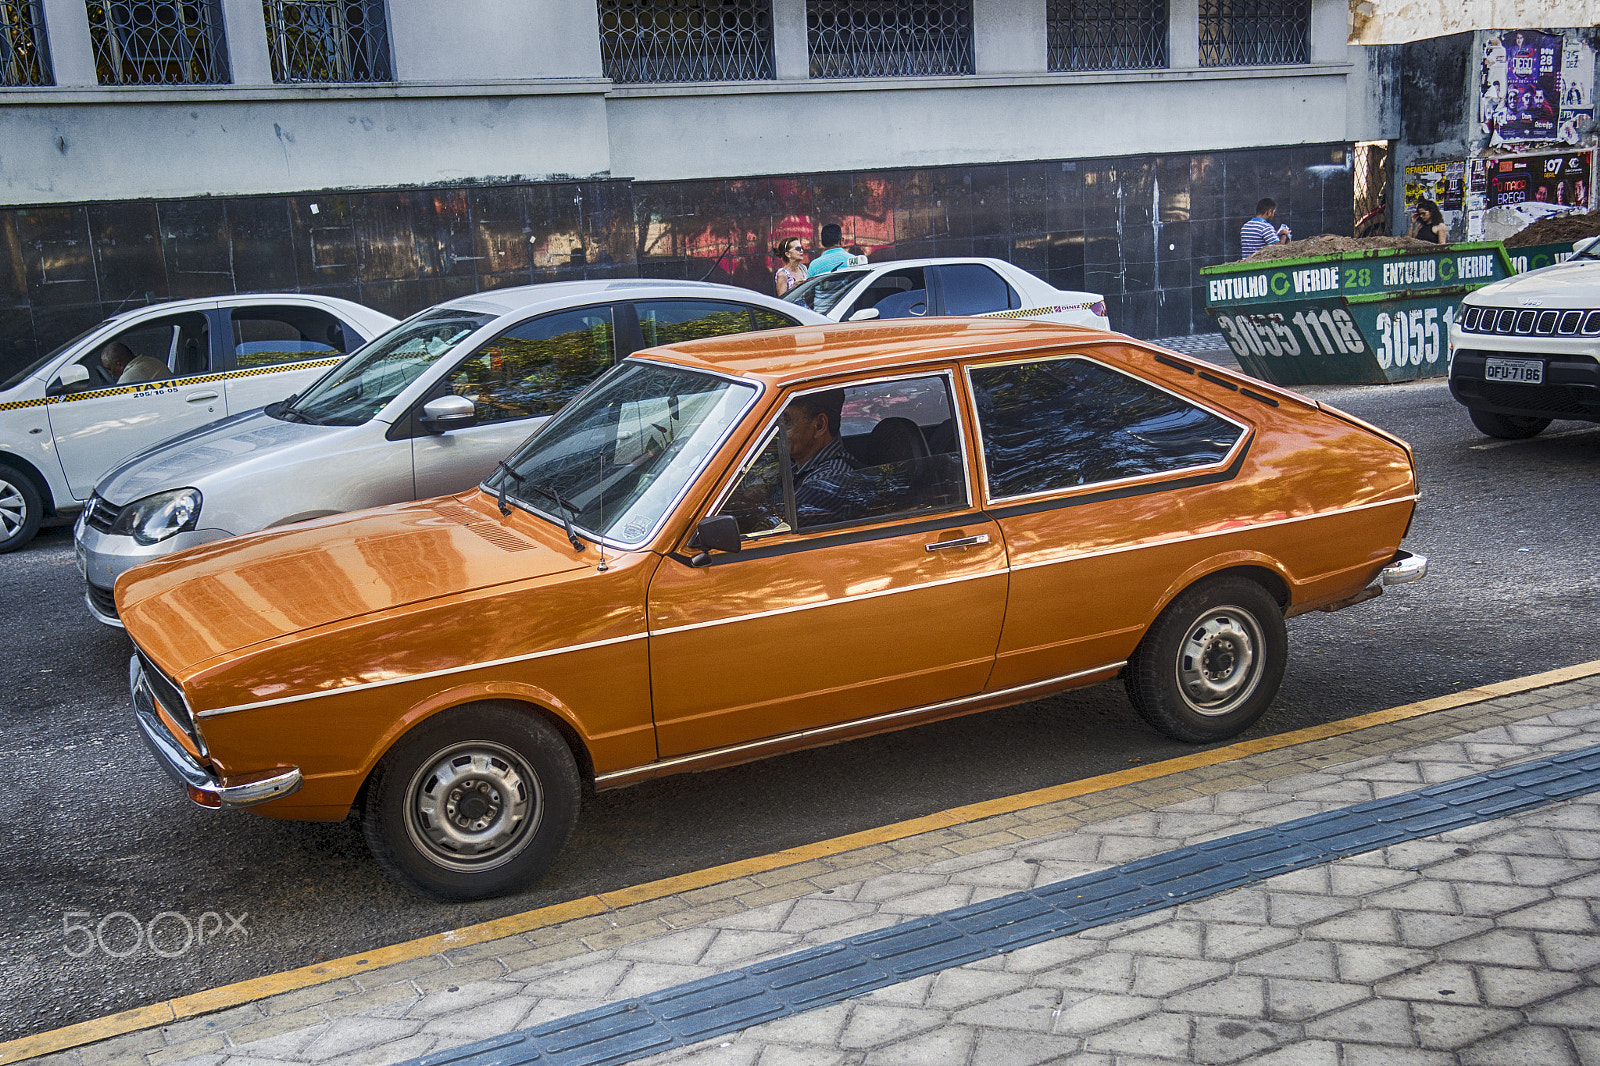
(233, 594)
(1575, 283)
(184, 460)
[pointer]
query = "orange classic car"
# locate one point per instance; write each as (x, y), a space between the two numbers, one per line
(731, 548)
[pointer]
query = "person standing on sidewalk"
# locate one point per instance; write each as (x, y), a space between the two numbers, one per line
(833, 257)
(791, 265)
(1259, 232)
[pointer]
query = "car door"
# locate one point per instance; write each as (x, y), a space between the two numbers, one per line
(278, 349)
(516, 381)
(887, 597)
(974, 289)
(95, 427)
(1089, 471)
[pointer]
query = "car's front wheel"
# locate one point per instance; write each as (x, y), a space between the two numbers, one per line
(21, 508)
(474, 802)
(1212, 662)
(1507, 427)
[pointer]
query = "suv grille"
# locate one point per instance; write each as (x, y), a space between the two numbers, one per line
(100, 514)
(1525, 322)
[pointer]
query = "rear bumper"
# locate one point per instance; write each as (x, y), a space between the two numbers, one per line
(199, 783)
(1405, 568)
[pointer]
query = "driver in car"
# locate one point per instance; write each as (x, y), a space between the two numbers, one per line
(126, 368)
(822, 467)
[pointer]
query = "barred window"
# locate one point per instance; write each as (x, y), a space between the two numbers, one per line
(1254, 33)
(327, 40)
(24, 56)
(1107, 34)
(889, 38)
(686, 40)
(157, 42)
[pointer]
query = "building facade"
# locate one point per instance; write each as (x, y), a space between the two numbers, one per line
(401, 153)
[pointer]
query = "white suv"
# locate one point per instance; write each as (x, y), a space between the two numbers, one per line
(64, 421)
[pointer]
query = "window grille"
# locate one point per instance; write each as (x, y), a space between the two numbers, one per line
(686, 40)
(1107, 34)
(889, 38)
(157, 42)
(1254, 33)
(327, 40)
(24, 56)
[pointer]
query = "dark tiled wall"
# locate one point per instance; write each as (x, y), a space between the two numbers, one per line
(1135, 228)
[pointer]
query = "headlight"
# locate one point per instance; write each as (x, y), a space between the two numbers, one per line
(155, 518)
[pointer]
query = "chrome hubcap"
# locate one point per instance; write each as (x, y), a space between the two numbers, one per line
(13, 509)
(1219, 662)
(473, 806)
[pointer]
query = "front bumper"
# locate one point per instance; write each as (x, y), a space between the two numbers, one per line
(1571, 387)
(102, 558)
(200, 784)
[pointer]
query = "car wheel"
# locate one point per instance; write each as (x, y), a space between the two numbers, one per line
(1211, 663)
(1509, 427)
(473, 803)
(21, 508)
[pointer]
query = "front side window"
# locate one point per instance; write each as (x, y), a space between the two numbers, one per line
(974, 289)
(1063, 422)
(672, 321)
(823, 291)
(327, 40)
(358, 387)
(535, 367)
(24, 53)
(899, 293)
(157, 42)
(171, 347)
(856, 453)
(617, 458)
(266, 336)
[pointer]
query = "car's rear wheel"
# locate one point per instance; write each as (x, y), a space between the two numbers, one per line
(1212, 662)
(1508, 427)
(21, 508)
(473, 803)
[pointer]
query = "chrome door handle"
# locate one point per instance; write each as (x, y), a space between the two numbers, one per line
(199, 397)
(960, 542)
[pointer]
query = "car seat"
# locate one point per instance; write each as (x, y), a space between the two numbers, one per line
(913, 303)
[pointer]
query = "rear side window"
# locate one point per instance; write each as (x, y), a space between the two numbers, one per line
(265, 336)
(1059, 423)
(673, 321)
(974, 289)
(771, 319)
(535, 367)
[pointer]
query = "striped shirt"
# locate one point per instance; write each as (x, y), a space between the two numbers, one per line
(1256, 235)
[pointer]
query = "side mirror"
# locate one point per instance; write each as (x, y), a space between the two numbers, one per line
(863, 315)
(718, 532)
(448, 412)
(70, 377)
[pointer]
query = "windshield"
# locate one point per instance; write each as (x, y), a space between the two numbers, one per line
(823, 291)
(360, 385)
(26, 372)
(619, 455)
(1591, 252)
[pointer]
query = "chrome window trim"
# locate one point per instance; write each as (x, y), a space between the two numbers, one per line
(1245, 433)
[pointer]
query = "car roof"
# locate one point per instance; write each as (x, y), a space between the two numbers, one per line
(195, 303)
(555, 294)
(781, 356)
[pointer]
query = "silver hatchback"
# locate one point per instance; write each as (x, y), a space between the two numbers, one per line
(424, 410)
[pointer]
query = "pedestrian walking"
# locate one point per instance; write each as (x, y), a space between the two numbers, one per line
(1259, 232)
(833, 257)
(791, 264)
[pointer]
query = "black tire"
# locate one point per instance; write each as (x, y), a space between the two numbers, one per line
(473, 803)
(1507, 427)
(1212, 662)
(21, 508)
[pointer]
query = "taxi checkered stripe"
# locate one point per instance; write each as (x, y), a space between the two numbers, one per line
(146, 386)
(1029, 312)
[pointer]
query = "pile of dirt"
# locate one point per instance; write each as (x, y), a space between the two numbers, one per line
(1330, 244)
(1557, 229)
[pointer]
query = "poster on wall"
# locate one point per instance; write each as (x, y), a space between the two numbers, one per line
(1519, 190)
(1521, 85)
(1443, 183)
(1577, 89)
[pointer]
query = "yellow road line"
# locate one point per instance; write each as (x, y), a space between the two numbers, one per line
(241, 992)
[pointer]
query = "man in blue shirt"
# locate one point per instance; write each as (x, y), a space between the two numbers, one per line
(833, 257)
(1259, 232)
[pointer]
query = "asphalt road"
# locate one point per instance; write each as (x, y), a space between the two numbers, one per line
(94, 838)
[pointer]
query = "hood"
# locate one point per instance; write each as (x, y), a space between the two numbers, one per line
(224, 597)
(1565, 286)
(186, 459)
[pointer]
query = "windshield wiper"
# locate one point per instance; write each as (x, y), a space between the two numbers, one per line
(566, 509)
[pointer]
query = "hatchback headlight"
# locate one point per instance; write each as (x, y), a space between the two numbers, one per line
(155, 518)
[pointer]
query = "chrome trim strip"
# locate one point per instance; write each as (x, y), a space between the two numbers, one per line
(1214, 533)
(423, 676)
(678, 761)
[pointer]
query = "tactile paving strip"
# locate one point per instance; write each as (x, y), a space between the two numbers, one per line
(818, 976)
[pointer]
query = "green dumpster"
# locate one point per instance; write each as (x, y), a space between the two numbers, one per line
(1533, 256)
(1378, 315)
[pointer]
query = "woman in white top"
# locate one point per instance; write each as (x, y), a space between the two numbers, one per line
(793, 270)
